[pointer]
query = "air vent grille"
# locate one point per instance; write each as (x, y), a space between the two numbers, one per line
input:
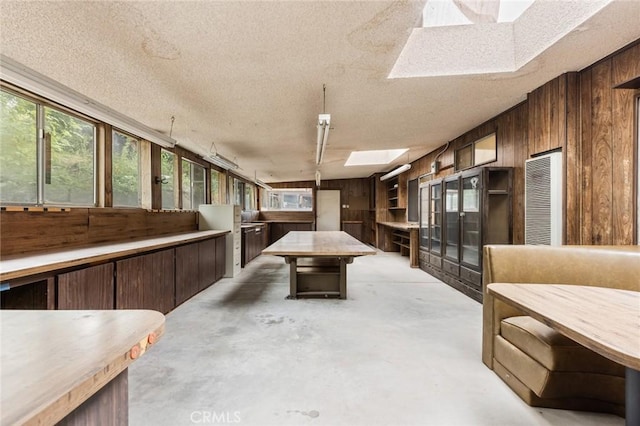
(543, 200)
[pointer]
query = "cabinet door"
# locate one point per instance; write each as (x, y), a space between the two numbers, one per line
(160, 291)
(88, 288)
(451, 218)
(187, 273)
(435, 218)
(424, 217)
(470, 221)
(221, 257)
(207, 263)
(146, 282)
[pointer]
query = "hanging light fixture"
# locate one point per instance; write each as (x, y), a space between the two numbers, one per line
(324, 122)
(396, 172)
(220, 160)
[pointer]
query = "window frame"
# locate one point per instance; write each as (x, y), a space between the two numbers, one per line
(140, 142)
(266, 195)
(472, 153)
(40, 141)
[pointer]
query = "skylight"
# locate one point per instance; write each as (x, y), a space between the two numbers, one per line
(442, 13)
(375, 157)
(466, 37)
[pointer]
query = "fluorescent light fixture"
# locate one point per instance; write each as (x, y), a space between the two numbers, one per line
(318, 178)
(221, 161)
(375, 157)
(263, 185)
(32, 81)
(324, 121)
(396, 172)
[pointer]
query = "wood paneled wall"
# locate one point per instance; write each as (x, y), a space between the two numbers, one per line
(36, 231)
(592, 122)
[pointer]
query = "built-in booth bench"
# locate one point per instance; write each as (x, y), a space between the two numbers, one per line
(541, 365)
(157, 273)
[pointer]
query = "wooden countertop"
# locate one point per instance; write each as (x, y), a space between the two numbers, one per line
(319, 244)
(605, 320)
(405, 226)
(52, 361)
(283, 221)
(17, 266)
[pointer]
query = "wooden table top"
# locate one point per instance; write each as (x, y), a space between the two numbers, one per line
(17, 266)
(52, 361)
(319, 243)
(406, 226)
(605, 320)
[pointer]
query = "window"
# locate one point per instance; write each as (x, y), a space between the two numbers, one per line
(217, 187)
(249, 197)
(125, 170)
(18, 150)
(482, 151)
(193, 185)
(46, 156)
(167, 169)
(289, 199)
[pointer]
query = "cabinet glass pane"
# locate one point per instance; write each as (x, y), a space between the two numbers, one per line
(435, 224)
(424, 217)
(451, 219)
(471, 220)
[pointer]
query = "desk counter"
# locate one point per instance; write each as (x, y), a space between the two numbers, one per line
(60, 363)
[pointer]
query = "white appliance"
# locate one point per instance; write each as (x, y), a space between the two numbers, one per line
(543, 200)
(224, 217)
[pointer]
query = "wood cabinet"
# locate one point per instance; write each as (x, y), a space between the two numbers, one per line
(37, 294)
(460, 214)
(253, 242)
(187, 272)
(280, 229)
(221, 257)
(354, 228)
(198, 266)
(88, 288)
(206, 263)
(146, 282)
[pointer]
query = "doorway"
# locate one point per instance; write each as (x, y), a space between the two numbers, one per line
(328, 210)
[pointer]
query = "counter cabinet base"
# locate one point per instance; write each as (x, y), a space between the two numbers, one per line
(108, 406)
(317, 276)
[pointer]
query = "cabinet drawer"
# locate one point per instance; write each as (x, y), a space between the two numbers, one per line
(450, 267)
(471, 276)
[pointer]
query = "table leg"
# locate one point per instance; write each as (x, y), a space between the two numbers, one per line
(632, 396)
(293, 277)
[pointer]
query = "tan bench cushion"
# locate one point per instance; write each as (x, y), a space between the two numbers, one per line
(557, 384)
(553, 350)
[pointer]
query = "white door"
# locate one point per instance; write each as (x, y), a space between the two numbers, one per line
(328, 210)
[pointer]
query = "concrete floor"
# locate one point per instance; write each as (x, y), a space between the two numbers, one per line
(404, 349)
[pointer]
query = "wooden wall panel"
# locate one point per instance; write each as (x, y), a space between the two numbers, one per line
(602, 159)
(626, 65)
(623, 135)
(37, 231)
(586, 188)
(33, 231)
(572, 157)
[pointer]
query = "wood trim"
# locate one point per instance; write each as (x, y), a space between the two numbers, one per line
(108, 166)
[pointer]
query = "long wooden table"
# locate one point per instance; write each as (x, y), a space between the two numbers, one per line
(318, 261)
(71, 366)
(605, 320)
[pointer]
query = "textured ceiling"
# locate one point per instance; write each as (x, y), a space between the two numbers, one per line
(249, 75)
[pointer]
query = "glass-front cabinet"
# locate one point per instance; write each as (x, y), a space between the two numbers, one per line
(459, 215)
(435, 218)
(470, 222)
